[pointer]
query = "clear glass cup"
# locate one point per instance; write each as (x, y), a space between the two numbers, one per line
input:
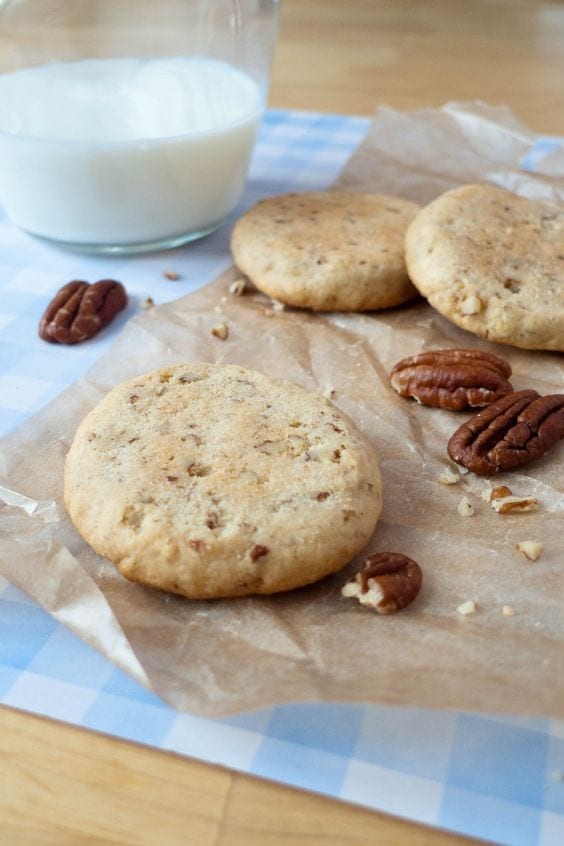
(128, 125)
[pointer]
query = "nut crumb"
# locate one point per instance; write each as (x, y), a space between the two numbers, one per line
(467, 608)
(171, 274)
(277, 306)
(508, 611)
(237, 288)
(220, 331)
(448, 478)
(500, 492)
(463, 470)
(148, 303)
(506, 504)
(530, 549)
(465, 507)
(471, 305)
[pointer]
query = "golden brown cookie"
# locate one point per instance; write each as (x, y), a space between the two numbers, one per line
(329, 251)
(215, 481)
(493, 263)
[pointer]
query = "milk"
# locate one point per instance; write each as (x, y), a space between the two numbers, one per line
(125, 151)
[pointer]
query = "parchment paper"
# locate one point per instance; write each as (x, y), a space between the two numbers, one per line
(219, 657)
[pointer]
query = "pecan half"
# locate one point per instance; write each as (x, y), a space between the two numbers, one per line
(80, 310)
(388, 582)
(452, 379)
(512, 431)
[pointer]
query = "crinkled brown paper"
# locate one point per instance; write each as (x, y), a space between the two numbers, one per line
(225, 656)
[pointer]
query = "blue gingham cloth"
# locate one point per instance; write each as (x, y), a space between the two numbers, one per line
(501, 779)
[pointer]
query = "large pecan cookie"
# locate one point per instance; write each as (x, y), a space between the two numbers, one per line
(211, 481)
(329, 251)
(493, 263)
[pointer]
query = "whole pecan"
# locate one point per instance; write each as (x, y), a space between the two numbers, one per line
(80, 310)
(512, 431)
(388, 582)
(452, 379)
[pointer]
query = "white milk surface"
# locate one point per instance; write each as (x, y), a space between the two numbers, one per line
(125, 151)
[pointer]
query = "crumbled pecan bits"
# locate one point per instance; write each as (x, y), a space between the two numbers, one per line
(80, 310)
(465, 507)
(531, 549)
(467, 607)
(448, 478)
(512, 431)
(220, 331)
(388, 582)
(237, 287)
(501, 492)
(452, 379)
(517, 504)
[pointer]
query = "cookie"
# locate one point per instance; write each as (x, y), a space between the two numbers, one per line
(329, 251)
(492, 263)
(216, 481)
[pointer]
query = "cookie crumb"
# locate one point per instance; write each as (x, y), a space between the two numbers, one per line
(467, 608)
(237, 288)
(148, 302)
(448, 478)
(471, 305)
(465, 507)
(329, 393)
(531, 549)
(171, 274)
(508, 611)
(220, 331)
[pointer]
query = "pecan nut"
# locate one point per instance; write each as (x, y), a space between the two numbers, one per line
(80, 310)
(388, 582)
(452, 379)
(512, 431)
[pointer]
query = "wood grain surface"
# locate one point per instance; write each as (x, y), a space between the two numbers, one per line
(352, 56)
(62, 785)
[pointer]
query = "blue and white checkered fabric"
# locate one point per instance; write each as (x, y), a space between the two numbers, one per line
(501, 779)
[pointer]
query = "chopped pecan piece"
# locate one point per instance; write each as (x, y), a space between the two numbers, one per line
(258, 551)
(220, 331)
(452, 379)
(531, 549)
(512, 431)
(79, 311)
(388, 582)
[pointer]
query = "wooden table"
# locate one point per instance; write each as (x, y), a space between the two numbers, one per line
(63, 785)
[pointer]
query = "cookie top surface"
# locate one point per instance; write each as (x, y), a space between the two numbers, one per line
(329, 251)
(213, 481)
(493, 263)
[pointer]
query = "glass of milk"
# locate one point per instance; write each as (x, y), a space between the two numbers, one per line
(128, 125)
